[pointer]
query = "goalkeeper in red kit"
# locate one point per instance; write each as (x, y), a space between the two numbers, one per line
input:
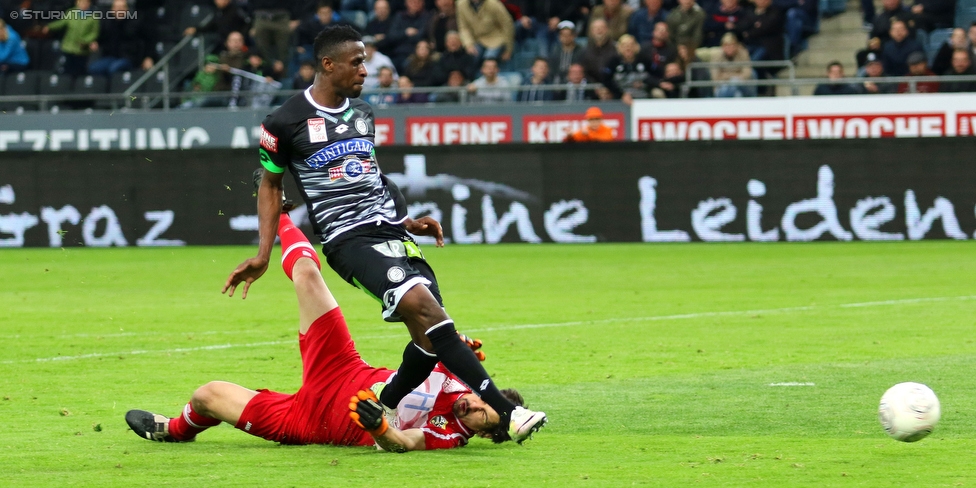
(336, 403)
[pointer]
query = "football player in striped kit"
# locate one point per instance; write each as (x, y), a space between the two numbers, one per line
(325, 138)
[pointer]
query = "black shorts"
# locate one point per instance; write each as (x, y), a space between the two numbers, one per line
(383, 261)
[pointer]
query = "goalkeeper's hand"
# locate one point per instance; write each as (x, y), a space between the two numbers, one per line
(365, 410)
(474, 344)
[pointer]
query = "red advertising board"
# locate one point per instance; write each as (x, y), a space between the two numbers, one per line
(448, 130)
(711, 128)
(554, 128)
(384, 131)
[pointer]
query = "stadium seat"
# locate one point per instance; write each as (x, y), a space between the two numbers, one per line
(357, 18)
(965, 13)
(934, 42)
(89, 85)
(49, 55)
(55, 84)
(119, 83)
(24, 83)
(193, 15)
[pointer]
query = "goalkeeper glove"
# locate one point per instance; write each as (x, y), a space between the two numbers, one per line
(366, 412)
(474, 344)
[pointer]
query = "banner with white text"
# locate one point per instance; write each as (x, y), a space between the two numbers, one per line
(724, 191)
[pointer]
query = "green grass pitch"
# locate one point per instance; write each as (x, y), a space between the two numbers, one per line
(655, 363)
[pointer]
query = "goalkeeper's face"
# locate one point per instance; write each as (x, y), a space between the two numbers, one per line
(475, 413)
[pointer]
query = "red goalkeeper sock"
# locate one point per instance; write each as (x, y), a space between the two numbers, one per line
(294, 245)
(187, 425)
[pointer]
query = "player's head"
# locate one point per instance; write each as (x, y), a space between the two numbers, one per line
(339, 53)
(480, 417)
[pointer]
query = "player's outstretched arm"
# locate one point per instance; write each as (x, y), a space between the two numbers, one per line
(269, 210)
(365, 410)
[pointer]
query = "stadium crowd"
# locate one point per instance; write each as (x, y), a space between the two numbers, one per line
(486, 50)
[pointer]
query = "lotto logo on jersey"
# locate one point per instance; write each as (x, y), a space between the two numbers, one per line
(268, 141)
(316, 131)
(351, 170)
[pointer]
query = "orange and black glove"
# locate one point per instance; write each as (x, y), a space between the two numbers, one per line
(365, 410)
(474, 344)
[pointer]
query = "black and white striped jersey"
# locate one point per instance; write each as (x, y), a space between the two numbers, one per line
(330, 153)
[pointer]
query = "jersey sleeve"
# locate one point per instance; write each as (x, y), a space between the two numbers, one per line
(442, 437)
(275, 145)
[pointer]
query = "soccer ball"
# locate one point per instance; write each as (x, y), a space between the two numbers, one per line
(909, 411)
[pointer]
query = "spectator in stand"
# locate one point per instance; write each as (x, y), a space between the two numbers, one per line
(305, 76)
(455, 79)
(721, 18)
(233, 56)
(420, 67)
(686, 23)
(875, 69)
(406, 95)
(730, 51)
(895, 51)
(566, 53)
(80, 34)
(761, 30)
(801, 17)
(227, 17)
(533, 86)
(486, 28)
(273, 27)
(687, 56)
(490, 88)
(310, 27)
(120, 43)
(972, 40)
(943, 58)
(204, 81)
(547, 14)
(13, 56)
(374, 61)
(660, 50)
(628, 74)
(443, 21)
(873, 47)
(616, 14)
(962, 65)
(454, 58)
(670, 85)
(642, 22)
(576, 86)
(379, 26)
(891, 9)
(835, 71)
(408, 28)
(934, 14)
(386, 84)
(918, 66)
(598, 51)
(594, 130)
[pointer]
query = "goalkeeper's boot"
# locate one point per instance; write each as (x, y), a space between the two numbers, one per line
(150, 426)
(286, 205)
(524, 423)
(390, 414)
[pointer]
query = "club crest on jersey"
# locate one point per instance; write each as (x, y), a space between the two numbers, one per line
(316, 130)
(439, 421)
(352, 170)
(338, 150)
(361, 127)
(268, 141)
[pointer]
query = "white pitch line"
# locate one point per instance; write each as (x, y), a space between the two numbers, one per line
(684, 316)
(792, 383)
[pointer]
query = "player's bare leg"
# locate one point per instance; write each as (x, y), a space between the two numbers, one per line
(211, 404)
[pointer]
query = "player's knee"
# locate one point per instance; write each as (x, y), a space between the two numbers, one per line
(419, 305)
(305, 270)
(205, 396)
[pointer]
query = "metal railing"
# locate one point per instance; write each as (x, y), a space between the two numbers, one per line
(690, 83)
